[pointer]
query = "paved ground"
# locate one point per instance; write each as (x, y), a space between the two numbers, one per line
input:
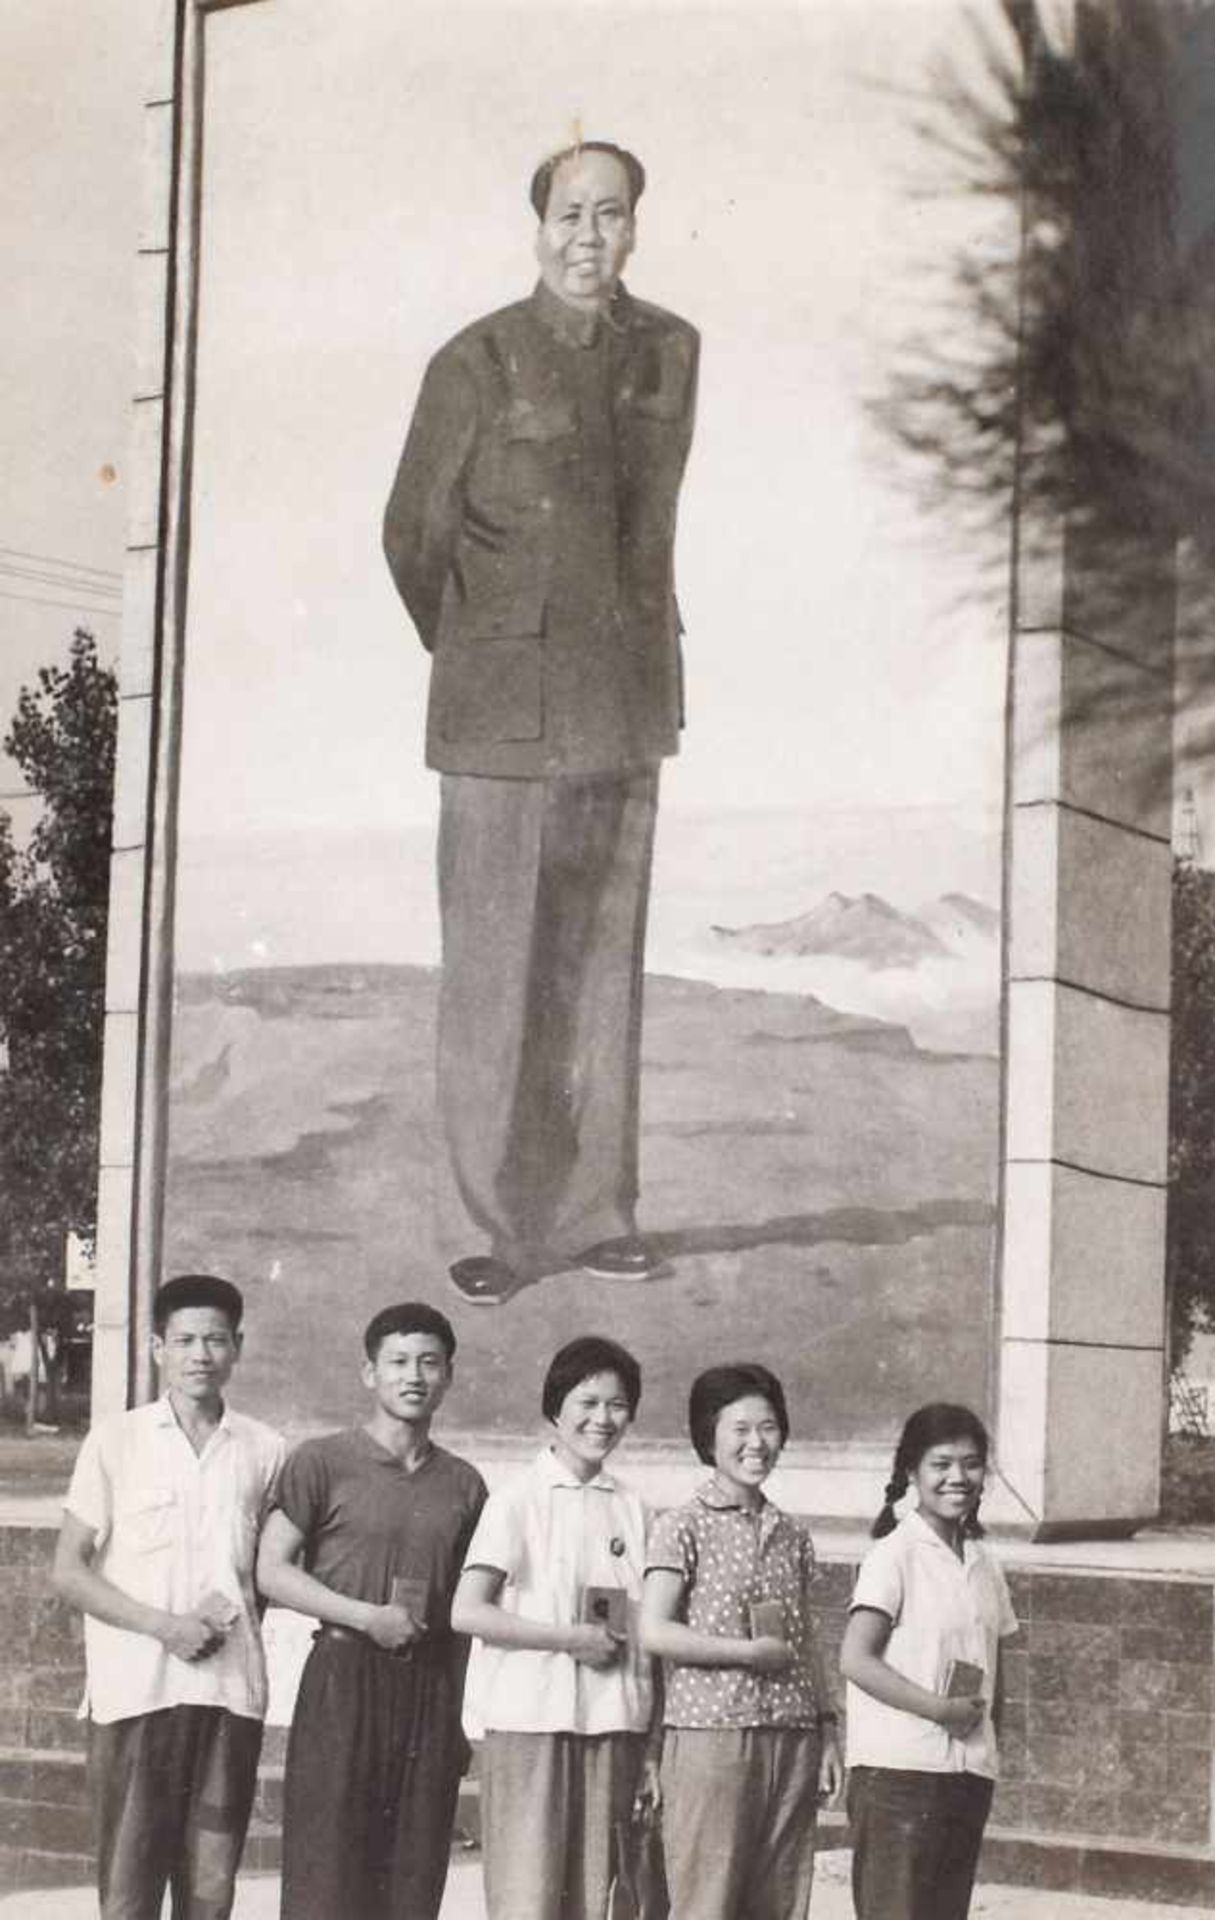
(258, 1900)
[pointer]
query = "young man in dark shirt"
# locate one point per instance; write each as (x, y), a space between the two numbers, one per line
(368, 1536)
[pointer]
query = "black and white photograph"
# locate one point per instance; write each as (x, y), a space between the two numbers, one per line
(607, 831)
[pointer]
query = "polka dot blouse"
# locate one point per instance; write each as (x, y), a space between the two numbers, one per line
(730, 1556)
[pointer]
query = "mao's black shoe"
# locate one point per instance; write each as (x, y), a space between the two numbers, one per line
(625, 1259)
(483, 1281)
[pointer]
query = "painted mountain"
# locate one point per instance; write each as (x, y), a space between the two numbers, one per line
(959, 921)
(863, 927)
(934, 970)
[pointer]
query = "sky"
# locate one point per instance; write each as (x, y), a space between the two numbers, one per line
(70, 128)
(832, 656)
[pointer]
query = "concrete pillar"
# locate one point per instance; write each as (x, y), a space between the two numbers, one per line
(1081, 1309)
(139, 964)
(1081, 1303)
(134, 857)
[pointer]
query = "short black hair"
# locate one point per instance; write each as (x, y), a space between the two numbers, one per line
(542, 179)
(580, 1360)
(718, 1388)
(408, 1316)
(197, 1290)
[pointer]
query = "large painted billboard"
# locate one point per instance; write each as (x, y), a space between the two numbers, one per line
(820, 1080)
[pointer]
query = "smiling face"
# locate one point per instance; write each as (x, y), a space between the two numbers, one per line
(587, 231)
(409, 1376)
(195, 1355)
(591, 1420)
(746, 1443)
(949, 1482)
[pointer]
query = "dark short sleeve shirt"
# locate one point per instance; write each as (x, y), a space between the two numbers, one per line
(366, 1519)
(729, 1556)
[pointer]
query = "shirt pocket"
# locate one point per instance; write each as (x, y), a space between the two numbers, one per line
(537, 423)
(145, 1519)
(664, 408)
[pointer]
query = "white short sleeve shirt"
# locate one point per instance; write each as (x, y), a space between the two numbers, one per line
(172, 1526)
(553, 1536)
(941, 1609)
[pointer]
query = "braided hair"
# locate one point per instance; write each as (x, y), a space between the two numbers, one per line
(929, 1427)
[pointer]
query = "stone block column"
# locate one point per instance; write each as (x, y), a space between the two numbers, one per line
(139, 963)
(1081, 1298)
(1081, 1307)
(137, 869)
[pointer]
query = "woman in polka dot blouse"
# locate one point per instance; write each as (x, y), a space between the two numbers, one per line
(749, 1747)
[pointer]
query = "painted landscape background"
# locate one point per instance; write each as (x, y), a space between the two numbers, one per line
(820, 1180)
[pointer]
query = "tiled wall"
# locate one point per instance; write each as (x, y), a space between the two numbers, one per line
(44, 1821)
(1109, 1716)
(1107, 1736)
(1108, 1732)
(1109, 1704)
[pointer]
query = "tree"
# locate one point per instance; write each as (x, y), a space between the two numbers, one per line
(1069, 381)
(53, 905)
(1191, 1214)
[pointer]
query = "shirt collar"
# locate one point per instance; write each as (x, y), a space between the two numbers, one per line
(720, 1499)
(164, 1416)
(574, 327)
(917, 1525)
(557, 1475)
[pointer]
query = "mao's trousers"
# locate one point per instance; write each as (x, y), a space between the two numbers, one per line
(543, 892)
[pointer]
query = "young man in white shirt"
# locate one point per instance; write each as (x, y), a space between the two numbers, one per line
(157, 1550)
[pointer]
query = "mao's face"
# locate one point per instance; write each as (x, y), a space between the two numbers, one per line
(587, 231)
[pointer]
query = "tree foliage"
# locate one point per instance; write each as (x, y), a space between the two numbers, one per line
(53, 903)
(1191, 1218)
(1069, 384)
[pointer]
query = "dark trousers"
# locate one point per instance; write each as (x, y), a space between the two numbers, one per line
(374, 1761)
(543, 890)
(916, 1839)
(172, 1794)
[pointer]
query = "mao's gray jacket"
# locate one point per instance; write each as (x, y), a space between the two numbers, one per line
(530, 533)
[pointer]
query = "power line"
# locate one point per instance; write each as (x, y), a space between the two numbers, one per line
(40, 577)
(67, 606)
(60, 560)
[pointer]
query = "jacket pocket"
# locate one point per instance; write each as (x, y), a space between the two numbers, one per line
(517, 613)
(487, 682)
(526, 420)
(489, 693)
(667, 407)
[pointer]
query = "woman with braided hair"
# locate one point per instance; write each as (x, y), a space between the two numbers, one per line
(921, 1658)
